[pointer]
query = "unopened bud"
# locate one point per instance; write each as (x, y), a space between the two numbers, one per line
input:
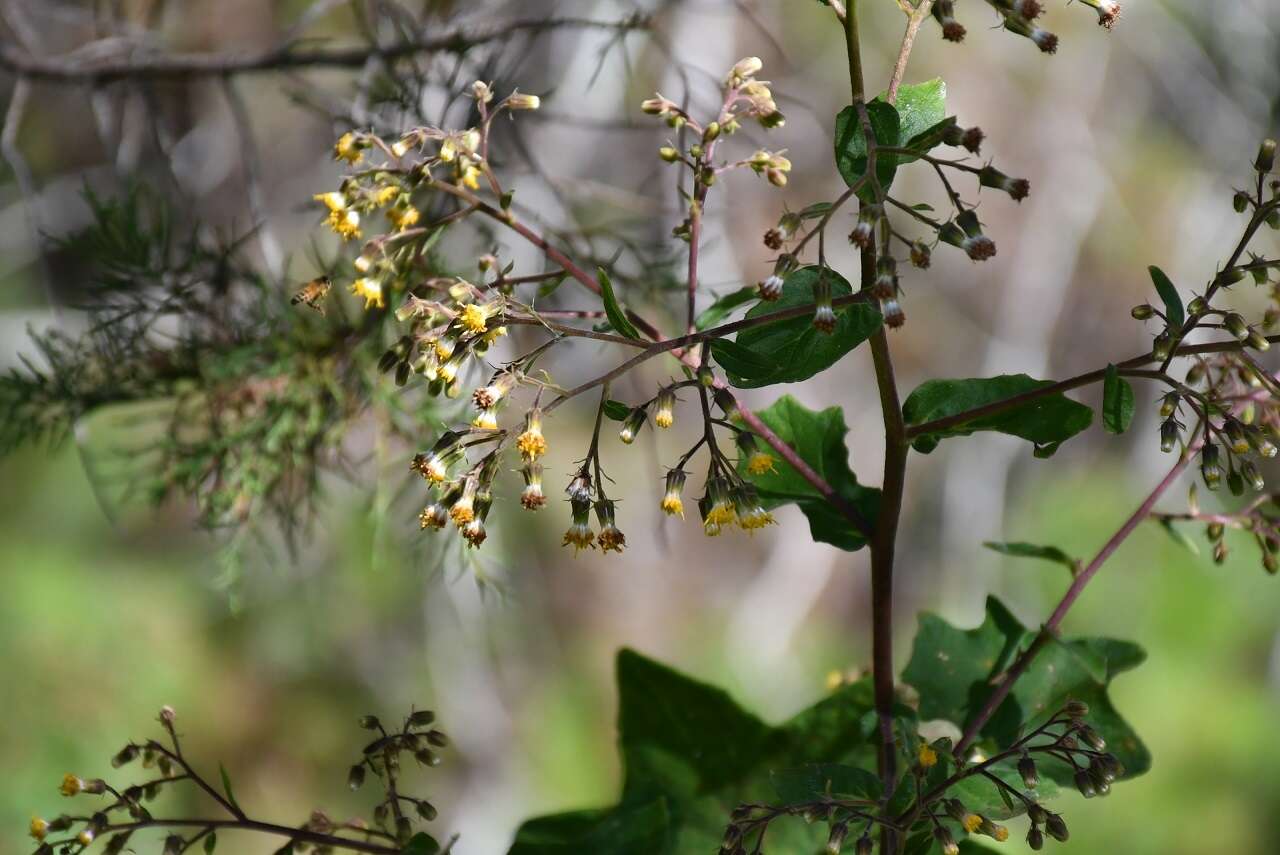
(1266, 156)
(1143, 312)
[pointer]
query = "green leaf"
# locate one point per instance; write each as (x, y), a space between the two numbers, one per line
(613, 309)
(226, 786)
(851, 145)
(1117, 402)
(813, 782)
(724, 306)
(210, 842)
(745, 363)
(955, 671)
(921, 106)
(1047, 421)
(1031, 550)
(795, 346)
(818, 437)
(1169, 294)
(421, 844)
(616, 410)
(1179, 536)
(691, 754)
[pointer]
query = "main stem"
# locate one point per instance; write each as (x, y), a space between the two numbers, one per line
(895, 463)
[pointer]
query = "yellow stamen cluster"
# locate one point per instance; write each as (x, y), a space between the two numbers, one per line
(473, 318)
(345, 224)
(580, 536)
(972, 822)
(39, 828)
(371, 290)
(403, 217)
(385, 195)
(348, 148)
(927, 757)
(532, 444)
(759, 463)
(433, 516)
(71, 785)
(673, 505)
(612, 539)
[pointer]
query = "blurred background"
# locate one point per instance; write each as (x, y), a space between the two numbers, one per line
(1133, 141)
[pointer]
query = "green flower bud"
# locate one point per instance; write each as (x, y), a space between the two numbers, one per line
(1143, 312)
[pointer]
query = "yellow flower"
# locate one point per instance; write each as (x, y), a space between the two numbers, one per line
(386, 194)
(474, 533)
(474, 318)
(333, 200)
(759, 463)
(345, 224)
(39, 828)
(348, 148)
(370, 290)
(403, 218)
(71, 785)
(927, 756)
(524, 102)
(85, 837)
(486, 419)
(433, 516)
(999, 833)
(972, 822)
(580, 537)
(532, 444)
(464, 510)
(673, 505)
(469, 177)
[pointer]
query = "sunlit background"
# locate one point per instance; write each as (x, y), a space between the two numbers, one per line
(1133, 141)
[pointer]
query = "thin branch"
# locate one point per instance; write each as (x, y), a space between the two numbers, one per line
(77, 67)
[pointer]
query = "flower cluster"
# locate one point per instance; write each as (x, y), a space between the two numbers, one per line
(934, 774)
(1019, 17)
(127, 809)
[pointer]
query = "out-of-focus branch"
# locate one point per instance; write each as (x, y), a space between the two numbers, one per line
(88, 64)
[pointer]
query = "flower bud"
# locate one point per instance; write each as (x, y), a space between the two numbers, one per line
(1197, 306)
(1017, 188)
(1266, 160)
(944, 13)
(1162, 346)
(946, 843)
(1027, 769)
(1035, 839)
(1236, 325)
(669, 154)
(1143, 312)
(1209, 468)
(1240, 201)
(632, 424)
(1056, 827)
(921, 255)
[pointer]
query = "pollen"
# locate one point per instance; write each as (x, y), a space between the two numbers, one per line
(927, 756)
(532, 444)
(370, 290)
(71, 785)
(474, 318)
(580, 537)
(673, 505)
(972, 822)
(760, 463)
(347, 148)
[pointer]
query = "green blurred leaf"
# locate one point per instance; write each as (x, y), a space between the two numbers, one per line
(743, 363)
(616, 410)
(1117, 402)
(1179, 536)
(795, 346)
(955, 671)
(818, 437)
(1046, 421)
(226, 786)
(421, 844)
(210, 842)
(921, 106)
(1031, 550)
(851, 145)
(1169, 294)
(724, 306)
(691, 754)
(816, 780)
(613, 309)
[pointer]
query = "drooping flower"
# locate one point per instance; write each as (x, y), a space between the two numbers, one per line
(580, 535)
(348, 148)
(531, 443)
(672, 504)
(611, 537)
(371, 290)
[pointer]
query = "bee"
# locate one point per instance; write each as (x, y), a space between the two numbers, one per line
(313, 293)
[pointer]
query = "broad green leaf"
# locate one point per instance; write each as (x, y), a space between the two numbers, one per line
(795, 346)
(851, 145)
(812, 782)
(818, 437)
(691, 754)
(1117, 402)
(613, 309)
(921, 106)
(226, 786)
(1046, 421)
(616, 410)
(744, 363)
(724, 306)
(421, 844)
(1169, 294)
(1031, 550)
(954, 670)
